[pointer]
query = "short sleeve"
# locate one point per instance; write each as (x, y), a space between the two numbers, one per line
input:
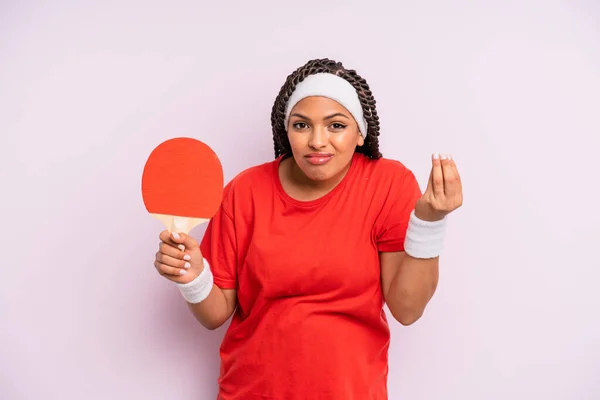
(391, 226)
(219, 248)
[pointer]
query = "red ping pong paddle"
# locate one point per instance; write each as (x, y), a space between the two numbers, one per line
(182, 184)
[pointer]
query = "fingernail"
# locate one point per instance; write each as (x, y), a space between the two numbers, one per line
(182, 272)
(449, 157)
(187, 257)
(181, 247)
(187, 265)
(443, 156)
(436, 156)
(176, 235)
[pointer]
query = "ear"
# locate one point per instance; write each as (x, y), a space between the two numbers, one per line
(360, 140)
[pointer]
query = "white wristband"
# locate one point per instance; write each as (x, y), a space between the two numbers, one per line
(424, 239)
(198, 289)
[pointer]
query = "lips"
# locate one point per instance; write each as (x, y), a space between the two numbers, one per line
(318, 158)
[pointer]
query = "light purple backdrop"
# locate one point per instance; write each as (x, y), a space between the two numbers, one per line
(510, 89)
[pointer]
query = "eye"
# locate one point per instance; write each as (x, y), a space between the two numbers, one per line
(299, 125)
(337, 126)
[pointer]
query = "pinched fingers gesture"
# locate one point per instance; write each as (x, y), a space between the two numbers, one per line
(444, 190)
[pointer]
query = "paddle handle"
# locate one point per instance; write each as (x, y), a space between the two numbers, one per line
(177, 224)
(180, 224)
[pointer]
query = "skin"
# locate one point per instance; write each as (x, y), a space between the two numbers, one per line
(409, 283)
(182, 265)
(320, 125)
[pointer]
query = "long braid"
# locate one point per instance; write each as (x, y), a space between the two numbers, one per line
(367, 101)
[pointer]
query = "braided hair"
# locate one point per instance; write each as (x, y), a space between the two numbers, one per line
(280, 139)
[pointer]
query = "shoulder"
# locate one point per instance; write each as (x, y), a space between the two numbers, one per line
(385, 181)
(388, 165)
(249, 180)
(252, 175)
(386, 170)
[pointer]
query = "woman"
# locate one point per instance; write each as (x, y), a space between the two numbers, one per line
(306, 249)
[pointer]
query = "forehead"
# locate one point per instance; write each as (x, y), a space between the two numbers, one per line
(318, 105)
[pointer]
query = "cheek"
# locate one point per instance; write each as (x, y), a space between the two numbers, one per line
(295, 141)
(345, 142)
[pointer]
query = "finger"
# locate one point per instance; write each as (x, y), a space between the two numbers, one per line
(429, 187)
(457, 184)
(172, 239)
(164, 269)
(166, 237)
(455, 168)
(437, 176)
(449, 174)
(172, 261)
(173, 251)
(187, 241)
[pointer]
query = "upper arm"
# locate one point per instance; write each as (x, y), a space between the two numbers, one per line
(390, 262)
(392, 223)
(219, 248)
(401, 195)
(231, 300)
(219, 245)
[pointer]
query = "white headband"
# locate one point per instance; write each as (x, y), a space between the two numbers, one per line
(333, 87)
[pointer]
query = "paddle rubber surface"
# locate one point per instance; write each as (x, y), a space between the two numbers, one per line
(183, 177)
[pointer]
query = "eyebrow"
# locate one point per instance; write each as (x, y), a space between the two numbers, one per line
(327, 117)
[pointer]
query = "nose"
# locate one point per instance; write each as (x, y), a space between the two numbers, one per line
(318, 138)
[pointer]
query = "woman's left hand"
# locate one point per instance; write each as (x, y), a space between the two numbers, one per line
(444, 190)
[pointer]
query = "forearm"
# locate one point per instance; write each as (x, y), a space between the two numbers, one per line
(409, 278)
(412, 287)
(213, 311)
(210, 304)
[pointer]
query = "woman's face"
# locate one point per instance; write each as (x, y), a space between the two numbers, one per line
(323, 136)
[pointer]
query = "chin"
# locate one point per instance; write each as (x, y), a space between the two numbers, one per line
(316, 173)
(319, 177)
(319, 173)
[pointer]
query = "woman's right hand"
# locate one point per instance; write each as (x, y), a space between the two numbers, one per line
(179, 258)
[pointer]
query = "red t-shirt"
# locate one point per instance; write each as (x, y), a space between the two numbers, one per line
(310, 322)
